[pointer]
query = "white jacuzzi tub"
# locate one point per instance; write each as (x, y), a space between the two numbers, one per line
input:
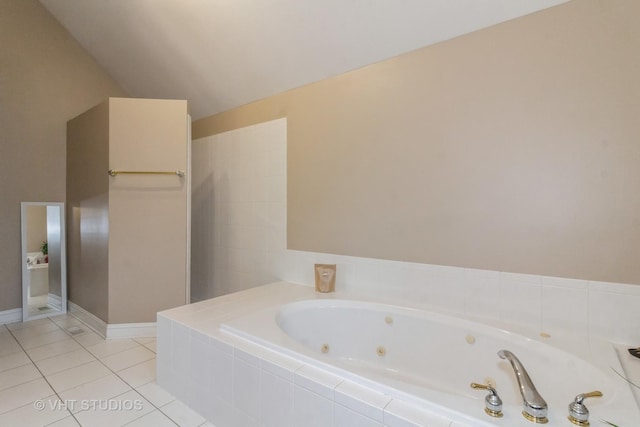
(430, 359)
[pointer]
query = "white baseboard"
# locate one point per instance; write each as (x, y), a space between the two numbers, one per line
(89, 319)
(11, 316)
(131, 330)
(114, 330)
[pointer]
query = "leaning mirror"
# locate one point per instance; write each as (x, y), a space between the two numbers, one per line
(44, 269)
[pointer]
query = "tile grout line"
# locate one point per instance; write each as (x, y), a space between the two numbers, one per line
(41, 373)
(116, 373)
(110, 370)
(140, 394)
(122, 379)
(81, 345)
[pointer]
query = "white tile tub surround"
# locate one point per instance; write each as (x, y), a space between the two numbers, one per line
(249, 385)
(239, 196)
(568, 310)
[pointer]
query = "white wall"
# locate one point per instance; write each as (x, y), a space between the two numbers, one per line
(239, 205)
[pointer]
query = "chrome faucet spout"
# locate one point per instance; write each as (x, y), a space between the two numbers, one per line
(534, 406)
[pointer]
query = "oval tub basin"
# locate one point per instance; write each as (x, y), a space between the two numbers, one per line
(430, 359)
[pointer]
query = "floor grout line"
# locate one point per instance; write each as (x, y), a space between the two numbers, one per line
(76, 338)
(43, 377)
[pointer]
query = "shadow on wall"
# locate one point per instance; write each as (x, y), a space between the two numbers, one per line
(203, 238)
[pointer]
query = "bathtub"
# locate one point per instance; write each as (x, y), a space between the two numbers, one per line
(429, 359)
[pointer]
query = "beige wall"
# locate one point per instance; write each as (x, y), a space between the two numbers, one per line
(88, 210)
(46, 78)
(147, 214)
(513, 148)
(127, 241)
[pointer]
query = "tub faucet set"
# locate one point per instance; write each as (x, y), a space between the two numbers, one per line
(534, 406)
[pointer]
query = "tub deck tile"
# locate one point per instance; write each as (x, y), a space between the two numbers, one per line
(402, 414)
(317, 381)
(362, 400)
(280, 366)
(345, 417)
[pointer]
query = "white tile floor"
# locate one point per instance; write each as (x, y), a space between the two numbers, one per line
(49, 377)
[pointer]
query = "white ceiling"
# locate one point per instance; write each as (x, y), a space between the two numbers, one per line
(219, 54)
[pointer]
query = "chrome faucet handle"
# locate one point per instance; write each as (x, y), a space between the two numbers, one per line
(493, 403)
(578, 412)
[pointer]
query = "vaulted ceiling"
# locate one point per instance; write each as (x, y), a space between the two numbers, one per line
(219, 54)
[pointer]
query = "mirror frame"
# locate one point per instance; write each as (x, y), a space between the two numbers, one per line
(63, 260)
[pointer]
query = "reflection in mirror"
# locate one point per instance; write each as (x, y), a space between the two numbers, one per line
(44, 290)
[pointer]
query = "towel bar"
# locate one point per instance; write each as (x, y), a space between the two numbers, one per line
(113, 172)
